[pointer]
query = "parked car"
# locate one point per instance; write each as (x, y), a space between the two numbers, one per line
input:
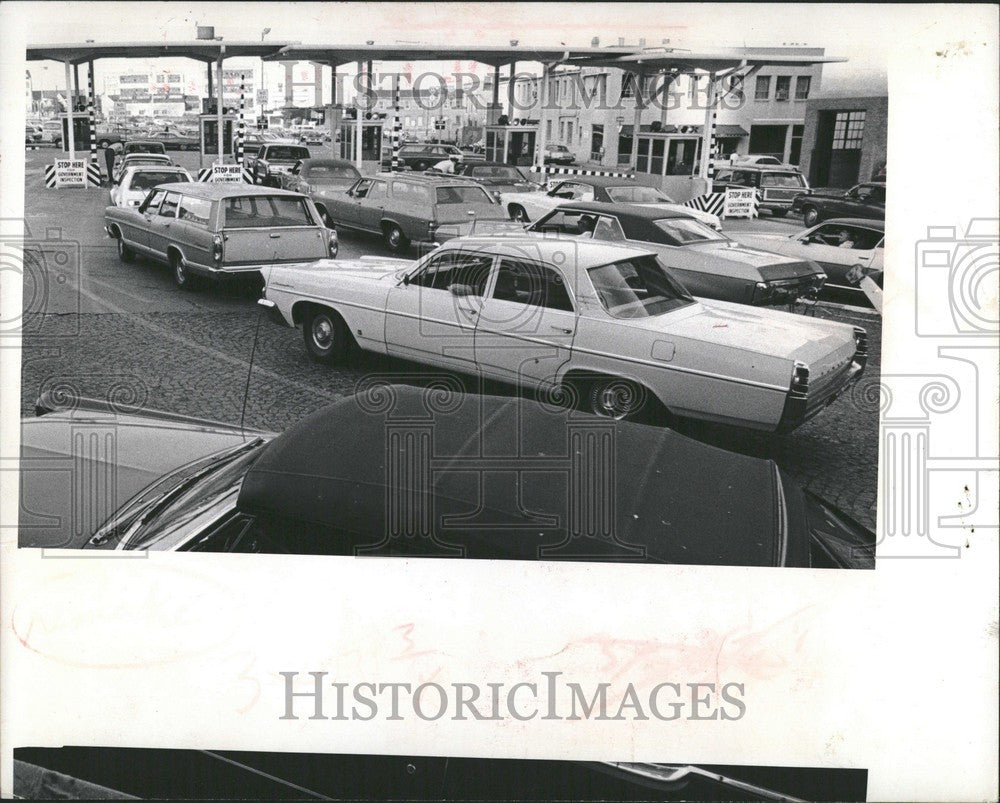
(138, 180)
(778, 186)
(32, 134)
(143, 146)
(529, 206)
(860, 201)
(605, 322)
(410, 208)
(314, 136)
(107, 137)
(174, 141)
(421, 155)
(52, 131)
(122, 163)
(708, 263)
(210, 230)
(836, 246)
(755, 159)
(559, 155)
(272, 161)
(325, 486)
(318, 178)
(499, 177)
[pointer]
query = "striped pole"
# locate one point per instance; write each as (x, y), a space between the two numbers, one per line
(92, 114)
(241, 130)
(396, 123)
(713, 148)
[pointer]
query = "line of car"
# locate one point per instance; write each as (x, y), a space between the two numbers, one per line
(589, 305)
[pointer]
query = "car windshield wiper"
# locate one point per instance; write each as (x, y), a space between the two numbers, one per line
(672, 776)
(134, 519)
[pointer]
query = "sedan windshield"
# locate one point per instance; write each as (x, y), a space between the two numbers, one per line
(638, 287)
(638, 195)
(683, 231)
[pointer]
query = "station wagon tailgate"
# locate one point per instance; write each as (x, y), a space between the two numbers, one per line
(274, 244)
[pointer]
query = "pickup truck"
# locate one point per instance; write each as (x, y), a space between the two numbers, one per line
(204, 230)
(272, 160)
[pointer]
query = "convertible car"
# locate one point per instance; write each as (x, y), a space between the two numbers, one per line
(605, 322)
(340, 482)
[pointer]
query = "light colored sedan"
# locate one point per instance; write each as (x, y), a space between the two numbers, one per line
(529, 206)
(604, 322)
(138, 179)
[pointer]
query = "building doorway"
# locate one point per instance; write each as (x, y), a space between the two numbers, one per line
(768, 140)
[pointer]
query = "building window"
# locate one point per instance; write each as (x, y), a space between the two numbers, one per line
(783, 88)
(763, 91)
(848, 130)
(693, 83)
(548, 130)
(628, 85)
(734, 86)
(569, 131)
(802, 87)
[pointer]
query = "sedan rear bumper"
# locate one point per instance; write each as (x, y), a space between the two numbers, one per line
(799, 408)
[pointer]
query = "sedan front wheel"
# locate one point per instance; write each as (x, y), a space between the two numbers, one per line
(326, 335)
(810, 216)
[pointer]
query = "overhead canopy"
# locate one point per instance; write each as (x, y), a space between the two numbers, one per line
(200, 50)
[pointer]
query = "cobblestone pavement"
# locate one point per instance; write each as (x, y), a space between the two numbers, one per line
(103, 327)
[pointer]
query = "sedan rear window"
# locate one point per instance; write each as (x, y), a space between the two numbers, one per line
(262, 211)
(638, 287)
(638, 195)
(332, 171)
(143, 147)
(681, 231)
(146, 181)
(462, 195)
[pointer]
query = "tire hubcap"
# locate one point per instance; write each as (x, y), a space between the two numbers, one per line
(394, 237)
(322, 331)
(615, 400)
(179, 271)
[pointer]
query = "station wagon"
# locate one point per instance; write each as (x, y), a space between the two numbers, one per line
(209, 230)
(778, 186)
(408, 208)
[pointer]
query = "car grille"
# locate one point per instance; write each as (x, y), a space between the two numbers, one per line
(781, 195)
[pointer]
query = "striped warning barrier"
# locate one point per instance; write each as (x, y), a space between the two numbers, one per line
(580, 171)
(712, 203)
(205, 174)
(94, 176)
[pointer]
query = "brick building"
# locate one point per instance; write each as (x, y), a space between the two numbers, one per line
(844, 140)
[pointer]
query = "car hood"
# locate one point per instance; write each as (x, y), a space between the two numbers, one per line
(363, 269)
(79, 466)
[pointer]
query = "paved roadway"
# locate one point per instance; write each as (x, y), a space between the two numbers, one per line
(102, 327)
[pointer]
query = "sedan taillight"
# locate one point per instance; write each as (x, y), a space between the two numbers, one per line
(217, 249)
(332, 242)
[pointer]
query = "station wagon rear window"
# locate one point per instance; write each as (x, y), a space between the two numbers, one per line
(638, 287)
(288, 152)
(781, 180)
(462, 195)
(263, 211)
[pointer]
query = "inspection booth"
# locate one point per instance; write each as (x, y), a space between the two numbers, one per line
(512, 144)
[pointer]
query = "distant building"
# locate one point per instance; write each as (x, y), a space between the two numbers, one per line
(149, 93)
(763, 114)
(844, 140)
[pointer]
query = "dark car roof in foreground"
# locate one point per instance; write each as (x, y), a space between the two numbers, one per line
(674, 500)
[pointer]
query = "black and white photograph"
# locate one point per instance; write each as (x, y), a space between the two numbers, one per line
(463, 347)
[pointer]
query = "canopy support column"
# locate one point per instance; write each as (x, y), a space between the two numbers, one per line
(70, 143)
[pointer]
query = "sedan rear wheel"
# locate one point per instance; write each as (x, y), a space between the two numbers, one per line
(125, 254)
(618, 399)
(326, 335)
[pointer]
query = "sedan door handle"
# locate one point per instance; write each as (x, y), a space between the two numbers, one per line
(562, 329)
(274, 236)
(470, 312)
